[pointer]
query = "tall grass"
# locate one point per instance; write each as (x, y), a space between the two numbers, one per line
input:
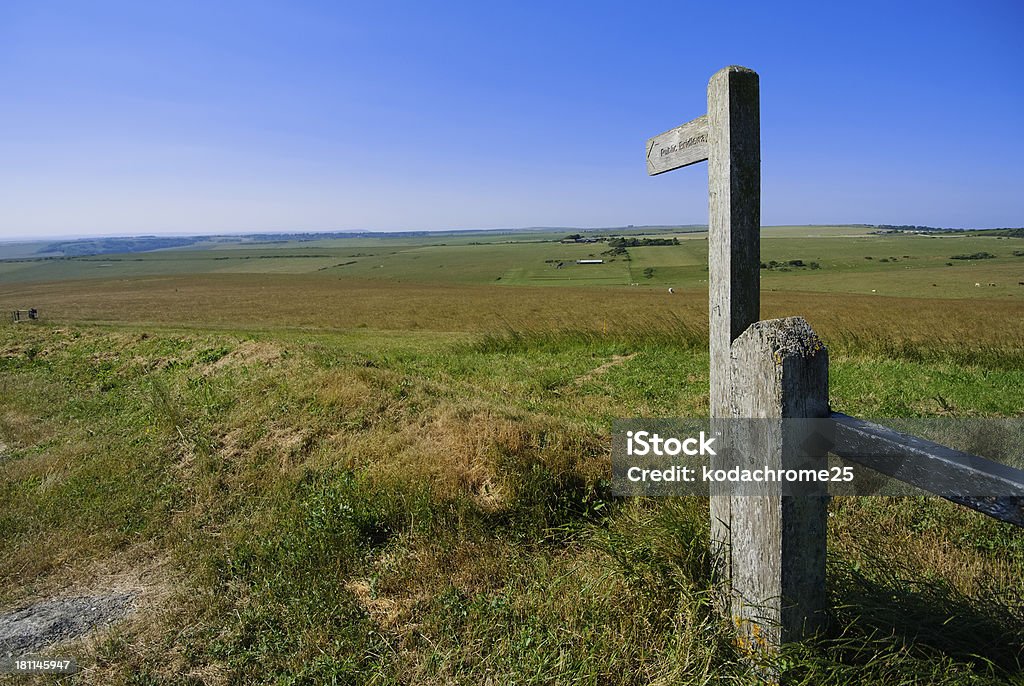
(666, 330)
(347, 510)
(939, 346)
(924, 342)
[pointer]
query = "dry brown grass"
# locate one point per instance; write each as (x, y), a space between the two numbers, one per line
(407, 578)
(458, 448)
(295, 301)
(249, 353)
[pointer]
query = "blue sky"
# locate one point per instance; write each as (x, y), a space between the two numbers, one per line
(194, 117)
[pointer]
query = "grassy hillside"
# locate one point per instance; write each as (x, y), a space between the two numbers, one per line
(417, 508)
(314, 479)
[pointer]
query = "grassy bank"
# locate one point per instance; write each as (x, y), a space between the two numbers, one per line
(413, 507)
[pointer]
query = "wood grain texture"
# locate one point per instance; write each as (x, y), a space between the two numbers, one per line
(734, 217)
(969, 480)
(734, 246)
(777, 542)
(680, 147)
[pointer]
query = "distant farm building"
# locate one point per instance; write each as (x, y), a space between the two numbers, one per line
(589, 261)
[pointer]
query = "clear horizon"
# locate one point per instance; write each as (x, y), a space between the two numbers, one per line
(510, 229)
(128, 120)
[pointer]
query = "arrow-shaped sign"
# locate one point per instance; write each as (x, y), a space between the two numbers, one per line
(683, 145)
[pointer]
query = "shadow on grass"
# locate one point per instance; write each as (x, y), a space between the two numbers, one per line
(881, 609)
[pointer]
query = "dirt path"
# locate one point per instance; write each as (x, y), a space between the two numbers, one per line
(598, 371)
(29, 629)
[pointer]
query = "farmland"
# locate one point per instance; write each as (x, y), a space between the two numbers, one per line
(850, 260)
(385, 460)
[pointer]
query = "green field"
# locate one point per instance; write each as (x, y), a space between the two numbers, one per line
(386, 460)
(851, 260)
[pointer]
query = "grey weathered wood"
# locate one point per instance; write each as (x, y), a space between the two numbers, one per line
(769, 547)
(734, 218)
(975, 482)
(777, 542)
(680, 147)
(734, 245)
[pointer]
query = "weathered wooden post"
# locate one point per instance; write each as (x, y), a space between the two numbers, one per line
(769, 533)
(734, 250)
(776, 541)
(734, 219)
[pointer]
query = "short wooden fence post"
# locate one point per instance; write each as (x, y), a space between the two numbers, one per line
(776, 546)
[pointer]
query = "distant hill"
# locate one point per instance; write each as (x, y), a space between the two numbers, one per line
(104, 246)
(909, 228)
(83, 247)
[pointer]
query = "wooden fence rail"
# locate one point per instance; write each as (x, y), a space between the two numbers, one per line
(960, 477)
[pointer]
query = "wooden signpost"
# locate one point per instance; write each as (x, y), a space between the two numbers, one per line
(763, 545)
(769, 548)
